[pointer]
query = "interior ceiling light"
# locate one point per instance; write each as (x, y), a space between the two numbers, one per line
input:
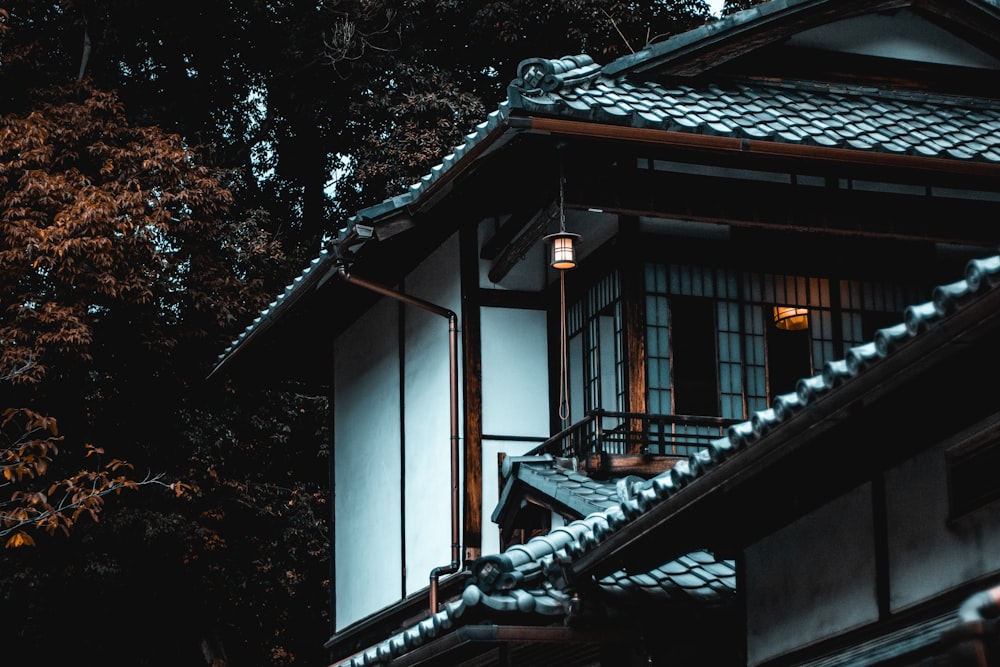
(791, 318)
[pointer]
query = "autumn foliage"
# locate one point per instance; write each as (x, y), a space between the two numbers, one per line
(123, 270)
(129, 257)
(165, 171)
(93, 216)
(28, 444)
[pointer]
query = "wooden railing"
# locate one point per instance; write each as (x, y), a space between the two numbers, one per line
(603, 432)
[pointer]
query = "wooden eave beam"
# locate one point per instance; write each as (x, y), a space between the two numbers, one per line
(534, 229)
(507, 232)
(758, 204)
(752, 147)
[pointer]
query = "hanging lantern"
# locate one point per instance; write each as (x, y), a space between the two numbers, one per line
(563, 250)
(791, 318)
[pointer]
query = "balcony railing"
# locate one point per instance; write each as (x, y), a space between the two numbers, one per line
(603, 432)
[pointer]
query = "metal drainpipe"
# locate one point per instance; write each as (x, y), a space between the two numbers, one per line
(456, 548)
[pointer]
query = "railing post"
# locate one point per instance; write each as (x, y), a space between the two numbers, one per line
(599, 430)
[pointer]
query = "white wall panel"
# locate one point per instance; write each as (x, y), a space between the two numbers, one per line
(367, 466)
(515, 396)
(812, 579)
(515, 372)
(427, 426)
(926, 555)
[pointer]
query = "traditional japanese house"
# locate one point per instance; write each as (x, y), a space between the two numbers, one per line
(683, 358)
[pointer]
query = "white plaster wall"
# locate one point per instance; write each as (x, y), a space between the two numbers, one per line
(515, 372)
(428, 427)
(515, 396)
(927, 556)
(812, 579)
(367, 466)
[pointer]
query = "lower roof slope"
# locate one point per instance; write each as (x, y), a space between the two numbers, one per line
(534, 578)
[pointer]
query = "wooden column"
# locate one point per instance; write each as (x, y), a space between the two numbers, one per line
(472, 386)
(630, 262)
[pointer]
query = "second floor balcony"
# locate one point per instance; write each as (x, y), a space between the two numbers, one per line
(610, 443)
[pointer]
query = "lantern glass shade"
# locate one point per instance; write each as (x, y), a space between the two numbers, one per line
(791, 318)
(563, 250)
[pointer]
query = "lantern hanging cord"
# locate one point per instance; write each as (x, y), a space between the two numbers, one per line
(562, 210)
(563, 354)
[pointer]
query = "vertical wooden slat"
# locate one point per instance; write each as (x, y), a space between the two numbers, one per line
(634, 327)
(472, 513)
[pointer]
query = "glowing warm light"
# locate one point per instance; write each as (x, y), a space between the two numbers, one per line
(563, 252)
(791, 318)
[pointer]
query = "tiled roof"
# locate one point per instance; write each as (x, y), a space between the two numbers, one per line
(699, 576)
(558, 480)
(530, 578)
(794, 112)
(810, 114)
(527, 579)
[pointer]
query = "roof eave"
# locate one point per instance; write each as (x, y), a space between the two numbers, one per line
(751, 147)
(378, 223)
(692, 52)
(696, 51)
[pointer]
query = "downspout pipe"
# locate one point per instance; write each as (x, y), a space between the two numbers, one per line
(456, 548)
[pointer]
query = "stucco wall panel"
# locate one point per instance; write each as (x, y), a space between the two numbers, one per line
(515, 395)
(927, 555)
(367, 466)
(427, 427)
(812, 579)
(515, 372)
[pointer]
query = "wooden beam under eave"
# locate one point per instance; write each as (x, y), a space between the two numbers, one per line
(509, 230)
(534, 230)
(785, 206)
(754, 147)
